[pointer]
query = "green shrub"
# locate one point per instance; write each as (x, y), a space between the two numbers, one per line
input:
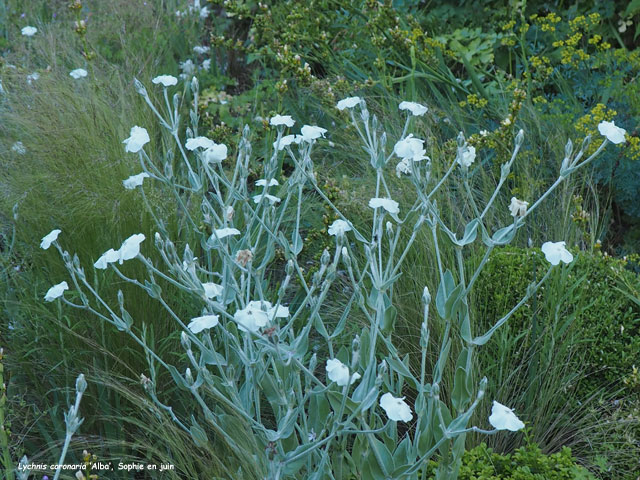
(526, 463)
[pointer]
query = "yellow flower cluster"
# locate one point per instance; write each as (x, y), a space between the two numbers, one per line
(474, 101)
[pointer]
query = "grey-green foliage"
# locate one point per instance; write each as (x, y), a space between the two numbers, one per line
(256, 365)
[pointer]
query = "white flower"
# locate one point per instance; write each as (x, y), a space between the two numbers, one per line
(130, 248)
(165, 80)
(48, 239)
(339, 227)
(272, 198)
(286, 141)
(503, 418)
(135, 180)
(506, 122)
(263, 183)
(138, 137)
(395, 408)
(483, 133)
(282, 120)
(110, 256)
(349, 102)
(212, 289)
(187, 68)
(29, 31)
(281, 312)
(200, 49)
(389, 205)
(204, 12)
(18, 147)
(32, 77)
(250, 319)
(614, 134)
(199, 142)
(310, 133)
(198, 324)
(556, 252)
(404, 166)
(410, 148)
(78, 73)
(415, 108)
(467, 156)
(518, 207)
(215, 153)
(225, 232)
(206, 65)
(338, 372)
(56, 291)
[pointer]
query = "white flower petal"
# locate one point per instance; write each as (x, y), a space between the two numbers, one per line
(29, 31)
(263, 183)
(199, 324)
(134, 180)
(614, 134)
(78, 73)
(216, 153)
(110, 256)
(165, 80)
(310, 133)
(130, 248)
(503, 418)
(212, 289)
(415, 108)
(138, 138)
(339, 227)
(388, 204)
(282, 120)
(56, 291)
(395, 408)
(48, 239)
(349, 102)
(199, 142)
(555, 252)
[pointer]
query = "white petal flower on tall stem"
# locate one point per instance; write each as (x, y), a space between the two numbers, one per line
(388, 204)
(48, 239)
(56, 291)
(555, 252)
(199, 142)
(611, 132)
(78, 73)
(135, 180)
(212, 290)
(272, 198)
(110, 256)
(467, 156)
(216, 153)
(416, 109)
(165, 80)
(130, 248)
(338, 372)
(29, 31)
(349, 102)
(396, 408)
(339, 227)
(225, 232)
(263, 182)
(503, 418)
(138, 138)
(278, 120)
(518, 208)
(204, 322)
(410, 148)
(312, 132)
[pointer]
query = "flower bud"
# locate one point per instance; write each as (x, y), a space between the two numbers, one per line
(461, 141)
(426, 296)
(568, 148)
(185, 341)
(586, 142)
(188, 377)
(81, 384)
(158, 240)
(325, 258)
(195, 86)
(289, 268)
(389, 226)
(346, 259)
(519, 138)
(139, 87)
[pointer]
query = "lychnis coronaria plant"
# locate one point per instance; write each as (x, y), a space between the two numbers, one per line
(346, 407)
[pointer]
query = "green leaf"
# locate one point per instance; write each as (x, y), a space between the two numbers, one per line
(462, 387)
(198, 434)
